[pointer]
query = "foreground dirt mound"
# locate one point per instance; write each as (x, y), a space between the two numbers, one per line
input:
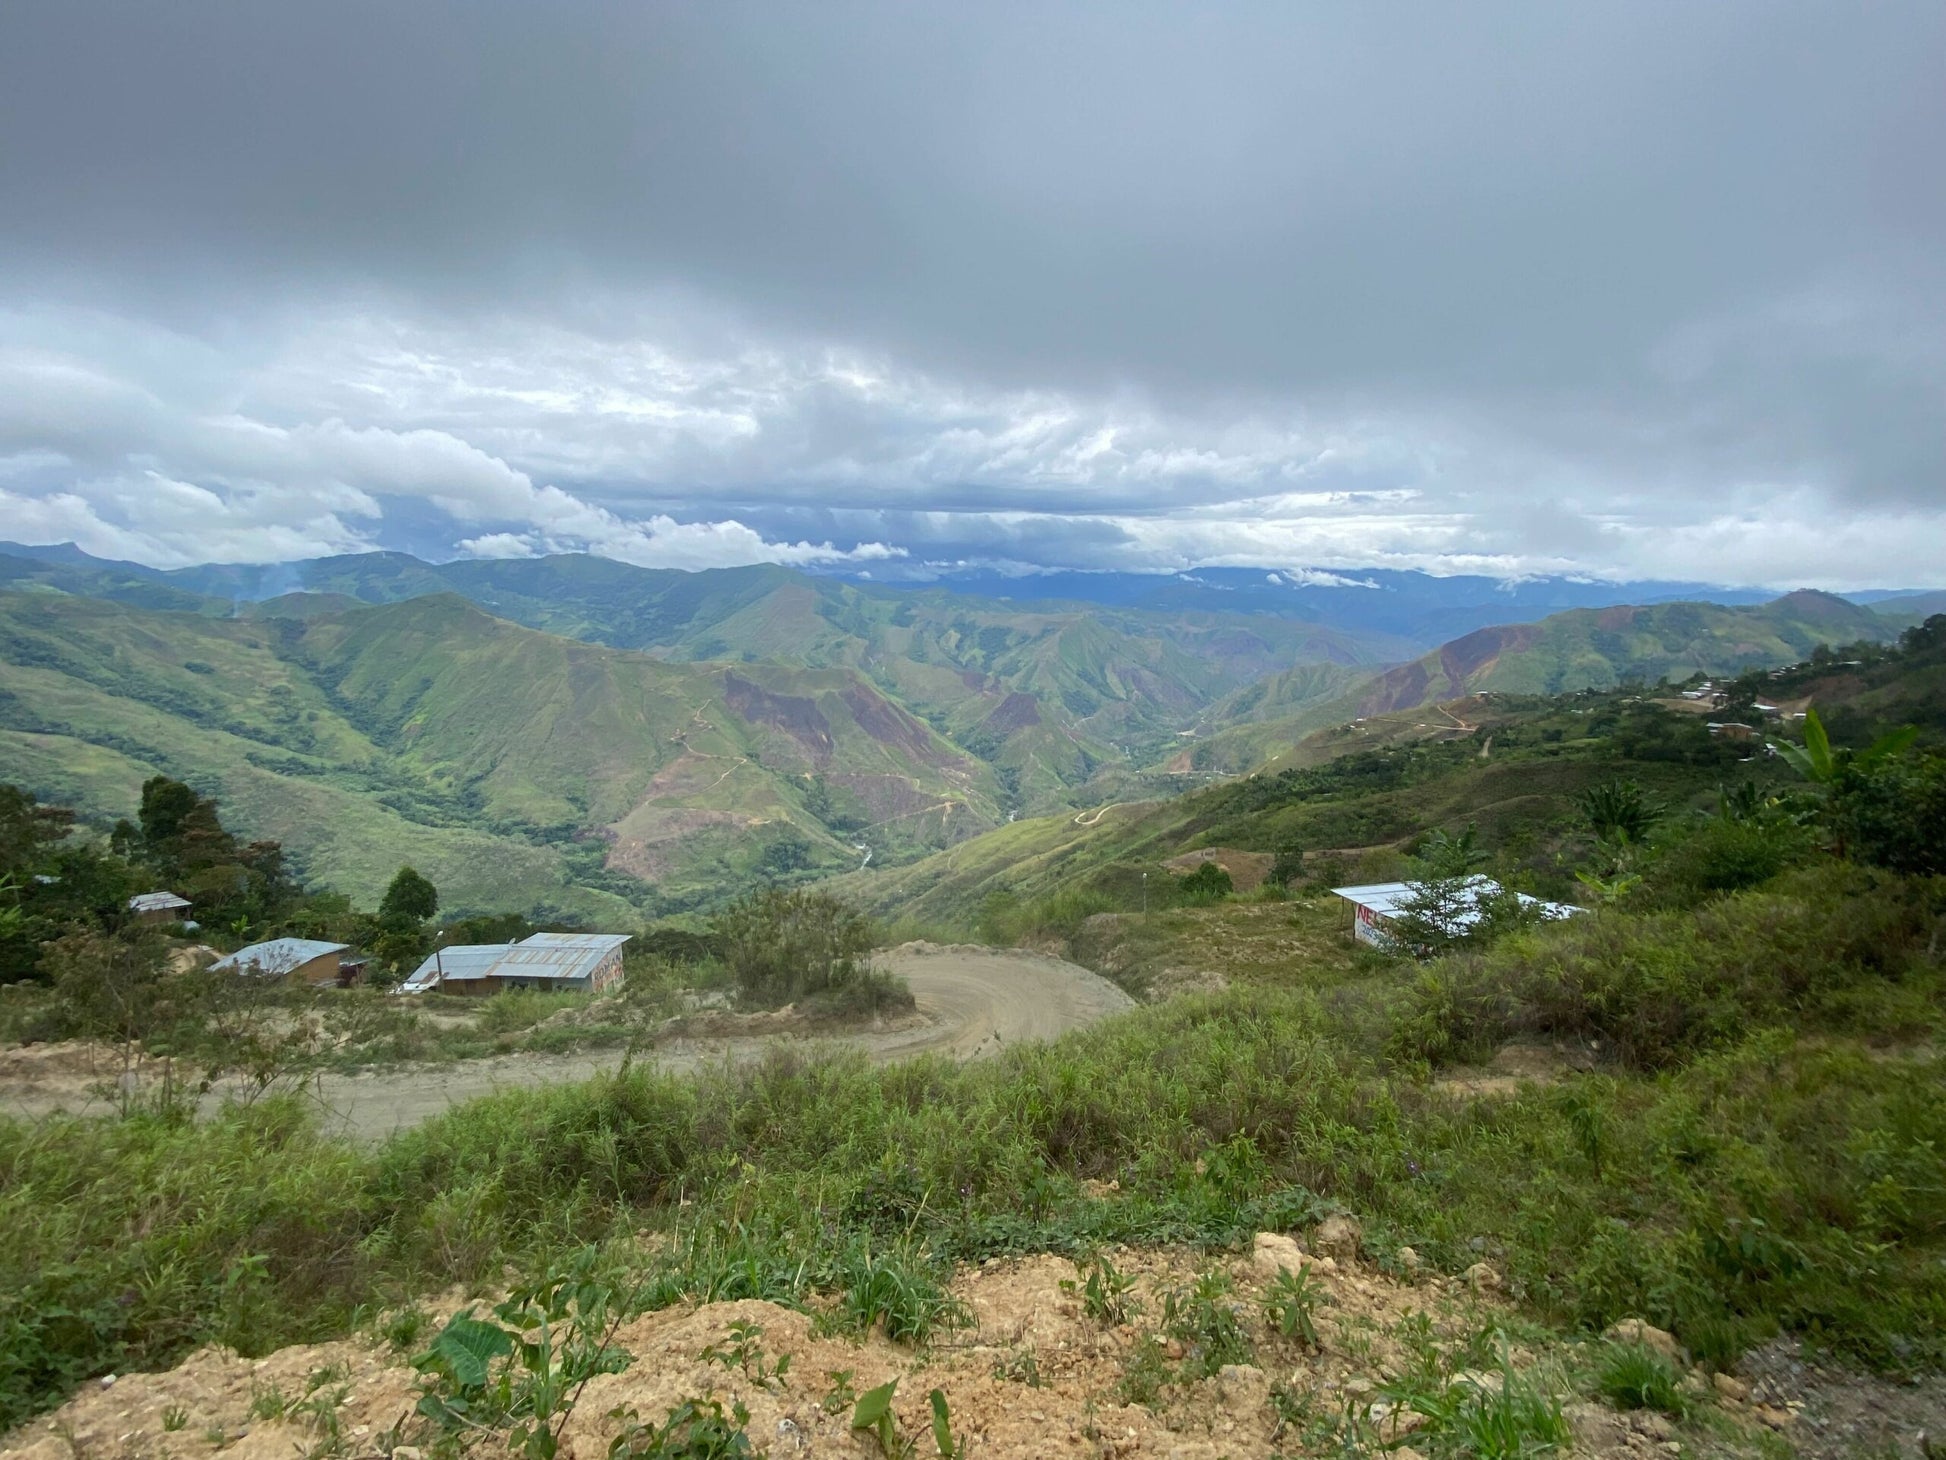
(1033, 1372)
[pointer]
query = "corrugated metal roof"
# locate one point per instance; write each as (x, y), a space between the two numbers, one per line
(1384, 898)
(462, 960)
(156, 902)
(558, 955)
(540, 956)
(277, 957)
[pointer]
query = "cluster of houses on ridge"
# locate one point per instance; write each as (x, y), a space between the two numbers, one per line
(561, 962)
(1708, 694)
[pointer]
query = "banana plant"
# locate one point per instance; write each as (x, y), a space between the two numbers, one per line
(1818, 761)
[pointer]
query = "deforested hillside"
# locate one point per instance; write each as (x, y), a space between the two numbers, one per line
(1584, 649)
(525, 768)
(1049, 694)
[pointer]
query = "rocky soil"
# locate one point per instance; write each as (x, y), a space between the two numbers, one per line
(1030, 1374)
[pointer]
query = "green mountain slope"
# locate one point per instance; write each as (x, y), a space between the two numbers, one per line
(1048, 693)
(515, 768)
(1598, 648)
(1509, 764)
(1595, 648)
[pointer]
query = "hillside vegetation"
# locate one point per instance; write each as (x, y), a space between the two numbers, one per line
(1594, 648)
(1047, 693)
(513, 767)
(1727, 1119)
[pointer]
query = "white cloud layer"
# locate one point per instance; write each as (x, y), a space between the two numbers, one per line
(1619, 288)
(677, 441)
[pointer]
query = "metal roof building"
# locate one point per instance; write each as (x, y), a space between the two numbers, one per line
(461, 961)
(157, 906)
(284, 957)
(578, 962)
(1374, 904)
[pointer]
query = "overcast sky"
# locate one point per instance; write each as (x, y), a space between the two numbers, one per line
(1625, 289)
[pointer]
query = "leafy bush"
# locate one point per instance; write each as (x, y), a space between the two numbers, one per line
(1204, 1320)
(1208, 883)
(1894, 814)
(781, 945)
(1724, 854)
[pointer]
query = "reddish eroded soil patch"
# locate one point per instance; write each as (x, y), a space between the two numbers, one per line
(795, 715)
(886, 723)
(1016, 712)
(644, 842)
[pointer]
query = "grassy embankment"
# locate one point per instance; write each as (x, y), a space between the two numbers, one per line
(1761, 1150)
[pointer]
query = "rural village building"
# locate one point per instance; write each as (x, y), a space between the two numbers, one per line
(293, 960)
(1373, 906)
(158, 907)
(566, 962)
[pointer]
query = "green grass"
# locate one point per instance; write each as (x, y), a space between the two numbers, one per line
(1775, 1178)
(1635, 1376)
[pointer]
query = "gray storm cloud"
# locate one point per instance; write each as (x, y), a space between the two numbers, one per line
(1627, 289)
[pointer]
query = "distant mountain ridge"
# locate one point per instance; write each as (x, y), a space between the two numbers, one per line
(1047, 692)
(1590, 648)
(1419, 608)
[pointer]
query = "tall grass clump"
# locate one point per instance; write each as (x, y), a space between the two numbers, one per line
(130, 1241)
(1836, 947)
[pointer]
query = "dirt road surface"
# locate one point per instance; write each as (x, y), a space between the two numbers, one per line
(972, 1001)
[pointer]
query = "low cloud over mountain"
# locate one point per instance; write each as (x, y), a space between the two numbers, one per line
(1624, 290)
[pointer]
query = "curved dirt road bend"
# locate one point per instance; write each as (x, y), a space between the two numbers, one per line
(972, 1001)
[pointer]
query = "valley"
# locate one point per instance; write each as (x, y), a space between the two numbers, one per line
(580, 738)
(1121, 1063)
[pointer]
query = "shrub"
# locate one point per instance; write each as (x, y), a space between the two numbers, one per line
(780, 945)
(1893, 814)
(1724, 854)
(1656, 988)
(1209, 883)
(869, 993)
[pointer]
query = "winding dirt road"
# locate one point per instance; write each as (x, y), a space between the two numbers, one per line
(972, 1001)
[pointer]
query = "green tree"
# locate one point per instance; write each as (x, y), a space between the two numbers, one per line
(111, 988)
(789, 852)
(1288, 865)
(1893, 814)
(167, 808)
(409, 898)
(1207, 884)
(29, 832)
